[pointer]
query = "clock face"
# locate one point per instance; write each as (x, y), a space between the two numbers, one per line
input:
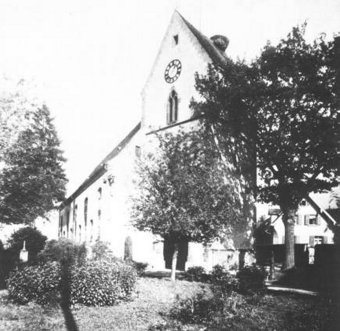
(172, 71)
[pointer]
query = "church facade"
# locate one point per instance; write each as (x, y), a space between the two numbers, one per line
(99, 208)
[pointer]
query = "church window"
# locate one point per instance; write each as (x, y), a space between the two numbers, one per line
(138, 152)
(98, 225)
(79, 233)
(172, 111)
(91, 230)
(175, 40)
(99, 193)
(75, 211)
(67, 222)
(85, 209)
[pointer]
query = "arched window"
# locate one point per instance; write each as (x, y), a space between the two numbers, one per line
(91, 231)
(86, 202)
(172, 109)
(67, 222)
(75, 212)
(79, 233)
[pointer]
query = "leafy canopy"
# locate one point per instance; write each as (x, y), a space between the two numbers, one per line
(32, 178)
(280, 109)
(182, 191)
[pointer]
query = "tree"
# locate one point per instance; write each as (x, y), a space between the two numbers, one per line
(32, 178)
(183, 193)
(282, 107)
(35, 242)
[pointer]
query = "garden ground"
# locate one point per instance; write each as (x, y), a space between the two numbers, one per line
(154, 298)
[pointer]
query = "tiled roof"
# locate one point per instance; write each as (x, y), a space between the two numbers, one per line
(101, 168)
(216, 55)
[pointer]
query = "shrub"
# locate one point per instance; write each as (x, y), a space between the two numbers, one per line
(139, 266)
(225, 281)
(99, 283)
(35, 242)
(63, 249)
(196, 274)
(101, 251)
(251, 280)
(93, 283)
(35, 283)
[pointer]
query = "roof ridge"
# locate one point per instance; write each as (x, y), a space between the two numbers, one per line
(214, 53)
(101, 167)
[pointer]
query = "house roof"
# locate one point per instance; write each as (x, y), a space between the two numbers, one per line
(214, 53)
(102, 166)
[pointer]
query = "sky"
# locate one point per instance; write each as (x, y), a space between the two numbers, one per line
(88, 60)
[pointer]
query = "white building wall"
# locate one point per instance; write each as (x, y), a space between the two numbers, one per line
(156, 91)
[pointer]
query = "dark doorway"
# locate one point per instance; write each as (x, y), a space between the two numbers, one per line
(182, 254)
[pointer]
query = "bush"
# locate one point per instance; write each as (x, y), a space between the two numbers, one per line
(93, 283)
(35, 283)
(251, 280)
(99, 283)
(139, 266)
(35, 242)
(63, 249)
(196, 274)
(101, 251)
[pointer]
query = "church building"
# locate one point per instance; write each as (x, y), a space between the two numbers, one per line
(99, 208)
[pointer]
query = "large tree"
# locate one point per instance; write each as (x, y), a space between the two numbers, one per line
(281, 111)
(183, 193)
(32, 178)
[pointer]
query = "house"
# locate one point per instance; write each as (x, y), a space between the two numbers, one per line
(311, 228)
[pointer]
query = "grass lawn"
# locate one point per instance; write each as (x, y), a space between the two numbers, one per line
(153, 298)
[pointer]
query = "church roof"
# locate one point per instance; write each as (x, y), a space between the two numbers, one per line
(214, 53)
(102, 166)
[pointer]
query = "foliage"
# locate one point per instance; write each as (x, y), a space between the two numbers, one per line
(32, 180)
(93, 283)
(183, 192)
(251, 280)
(98, 283)
(155, 299)
(140, 267)
(196, 274)
(238, 312)
(282, 110)
(35, 242)
(39, 283)
(101, 251)
(63, 249)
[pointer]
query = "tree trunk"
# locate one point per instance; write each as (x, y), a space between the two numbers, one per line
(174, 262)
(288, 221)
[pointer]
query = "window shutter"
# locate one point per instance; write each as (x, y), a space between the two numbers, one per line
(300, 219)
(306, 219)
(311, 240)
(318, 219)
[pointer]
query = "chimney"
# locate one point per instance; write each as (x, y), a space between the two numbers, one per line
(220, 42)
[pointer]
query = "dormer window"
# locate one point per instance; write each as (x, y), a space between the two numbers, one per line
(172, 108)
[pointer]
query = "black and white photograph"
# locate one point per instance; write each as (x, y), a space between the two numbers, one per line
(169, 165)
